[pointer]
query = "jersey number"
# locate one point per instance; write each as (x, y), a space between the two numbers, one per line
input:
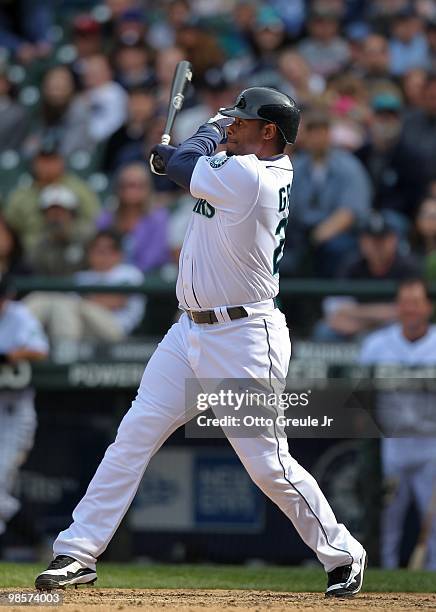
(278, 252)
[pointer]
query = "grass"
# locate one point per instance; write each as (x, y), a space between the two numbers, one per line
(136, 576)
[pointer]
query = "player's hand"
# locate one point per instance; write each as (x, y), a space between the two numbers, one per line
(222, 122)
(159, 158)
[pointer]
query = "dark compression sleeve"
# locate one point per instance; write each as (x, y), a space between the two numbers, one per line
(182, 163)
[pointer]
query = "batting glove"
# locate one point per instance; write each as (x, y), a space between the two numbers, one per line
(222, 123)
(159, 158)
(222, 120)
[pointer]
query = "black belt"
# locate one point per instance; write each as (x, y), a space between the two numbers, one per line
(209, 316)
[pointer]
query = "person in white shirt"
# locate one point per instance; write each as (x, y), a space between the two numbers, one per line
(21, 340)
(407, 419)
(105, 99)
(104, 317)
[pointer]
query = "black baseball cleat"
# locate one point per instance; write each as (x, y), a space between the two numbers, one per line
(64, 571)
(346, 581)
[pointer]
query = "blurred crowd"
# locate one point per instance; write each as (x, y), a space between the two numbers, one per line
(84, 88)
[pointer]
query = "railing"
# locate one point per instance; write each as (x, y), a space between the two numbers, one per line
(156, 285)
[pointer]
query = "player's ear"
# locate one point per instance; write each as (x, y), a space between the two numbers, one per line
(269, 131)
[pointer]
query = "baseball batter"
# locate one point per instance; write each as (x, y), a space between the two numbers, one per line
(230, 329)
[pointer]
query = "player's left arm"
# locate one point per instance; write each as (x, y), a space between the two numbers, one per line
(181, 161)
(24, 354)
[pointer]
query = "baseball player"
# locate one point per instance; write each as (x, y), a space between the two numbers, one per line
(230, 329)
(408, 452)
(21, 339)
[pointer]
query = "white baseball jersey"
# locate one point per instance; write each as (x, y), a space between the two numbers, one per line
(19, 329)
(235, 239)
(404, 412)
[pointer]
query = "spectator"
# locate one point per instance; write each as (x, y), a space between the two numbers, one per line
(130, 27)
(14, 121)
(382, 12)
(347, 101)
(408, 46)
(104, 317)
(87, 40)
(408, 448)
(127, 144)
(11, 252)
(106, 101)
(61, 112)
(144, 229)
(416, 152)
(291, 13)
(378, 154)
(166, 62)
(373, 67)
(267, 38)
(25, 27)
(60, 249)
(302, 84)
(163, 33)
(133, 65)
(379, 258)
(412, 85)
(200, 47)
(330, 194)
(48, 167)
(324, 50)
(425, 236)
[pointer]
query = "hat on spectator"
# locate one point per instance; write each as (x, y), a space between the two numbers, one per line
(58, 195)
(268, 19)
(376, 225)
(85, 25)
(386, 102)
(49, 145)
(407, 12)
(134, 14)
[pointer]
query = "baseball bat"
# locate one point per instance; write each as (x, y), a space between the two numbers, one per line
(419, 554)
(182, 76)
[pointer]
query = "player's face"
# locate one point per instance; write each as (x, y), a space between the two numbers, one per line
(414, 308)
(245, 136)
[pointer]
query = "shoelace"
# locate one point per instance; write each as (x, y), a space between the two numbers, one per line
(59, 562)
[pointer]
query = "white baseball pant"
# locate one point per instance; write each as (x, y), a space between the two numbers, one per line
(254, 347)
(17, 432)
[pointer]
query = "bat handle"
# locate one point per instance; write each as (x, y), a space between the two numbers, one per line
(165, 140)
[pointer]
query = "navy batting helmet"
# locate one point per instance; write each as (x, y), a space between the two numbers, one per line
(270, 105)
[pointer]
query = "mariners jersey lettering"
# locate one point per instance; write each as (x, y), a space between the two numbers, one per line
(234, 242)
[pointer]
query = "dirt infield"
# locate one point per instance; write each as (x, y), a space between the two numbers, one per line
(108, 600)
